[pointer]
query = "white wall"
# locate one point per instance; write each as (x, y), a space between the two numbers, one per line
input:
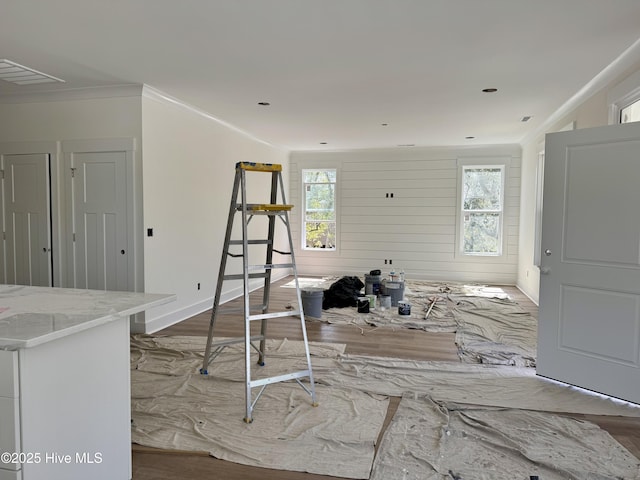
(185, 168)
(417, 227)
(189, 166)
(590, 112)
(53, 118)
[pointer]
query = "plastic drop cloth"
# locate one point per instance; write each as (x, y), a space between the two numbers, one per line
(431, 440)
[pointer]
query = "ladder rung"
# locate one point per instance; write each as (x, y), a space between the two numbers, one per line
(227, 310)
(240, 276)
(280, 378)
(270, 266)
(251, 242)
(233, 341)
(263, 316)
(259, 167)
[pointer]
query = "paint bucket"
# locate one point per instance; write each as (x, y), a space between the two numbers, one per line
(385, 301)
(404, 308)
(372, 284)
(312, 301)
(395, 290)
(363, 304)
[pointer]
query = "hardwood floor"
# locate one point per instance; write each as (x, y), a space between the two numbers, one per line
(153, 464)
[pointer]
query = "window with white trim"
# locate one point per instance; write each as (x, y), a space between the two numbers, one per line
(624, 100)
(319, 221)
(482, 209)
(630, 113)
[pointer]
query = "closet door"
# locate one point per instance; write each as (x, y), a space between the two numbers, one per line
(27, 219)
(100, 253)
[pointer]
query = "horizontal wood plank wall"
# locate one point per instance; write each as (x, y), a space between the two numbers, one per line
(416, 229)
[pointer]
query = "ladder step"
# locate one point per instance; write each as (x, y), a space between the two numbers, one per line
(224, 310)
(240, 276)
(259, 167)
(280, 378)
(270, 266)
(263, 316)
(233, 341)
(264, 208)
(251, 242)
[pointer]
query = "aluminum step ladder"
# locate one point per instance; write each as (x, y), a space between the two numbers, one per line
(272, 210)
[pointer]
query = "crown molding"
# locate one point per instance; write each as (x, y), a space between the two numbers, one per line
(153, 93)
(608, 75)
(127, 90)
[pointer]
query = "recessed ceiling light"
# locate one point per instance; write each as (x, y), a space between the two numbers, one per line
(407, 145)
(469, 138)
(264, 104)
(489, 90)
(21, 75)
(323, 143)
(384, 124)
(526, 118)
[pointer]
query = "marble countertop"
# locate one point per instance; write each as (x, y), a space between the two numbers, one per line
(31, 316)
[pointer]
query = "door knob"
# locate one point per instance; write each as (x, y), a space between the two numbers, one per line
(547, 252)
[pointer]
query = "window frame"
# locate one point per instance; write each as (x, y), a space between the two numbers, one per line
(622, 95)
(484, 163)
(303, 223)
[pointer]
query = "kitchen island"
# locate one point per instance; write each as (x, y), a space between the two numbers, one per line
(65, 382)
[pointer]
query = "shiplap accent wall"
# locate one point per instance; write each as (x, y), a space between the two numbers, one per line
(416, 229)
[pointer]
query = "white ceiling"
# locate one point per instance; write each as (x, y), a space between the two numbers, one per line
(333, 70)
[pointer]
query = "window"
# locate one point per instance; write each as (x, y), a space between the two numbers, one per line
(482, 210)
(319, 225)
(624, 100)
(630, 113)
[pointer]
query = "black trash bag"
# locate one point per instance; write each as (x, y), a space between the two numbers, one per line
(343, 293)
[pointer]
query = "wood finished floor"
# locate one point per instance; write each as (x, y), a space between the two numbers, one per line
(154, 464)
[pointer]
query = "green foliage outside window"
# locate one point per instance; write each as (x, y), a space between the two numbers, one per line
(320, 209)
(482, 210)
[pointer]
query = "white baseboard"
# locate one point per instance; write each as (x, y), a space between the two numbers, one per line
(153, 325)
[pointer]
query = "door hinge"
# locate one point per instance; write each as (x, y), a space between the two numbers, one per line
(2, 173)
(73, 172)
(74, 237)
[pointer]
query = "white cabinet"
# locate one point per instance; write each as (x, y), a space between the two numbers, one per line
(65, 390)
(9, 413)
(10, 475)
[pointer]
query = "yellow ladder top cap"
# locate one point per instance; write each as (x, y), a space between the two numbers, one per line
(259, 167)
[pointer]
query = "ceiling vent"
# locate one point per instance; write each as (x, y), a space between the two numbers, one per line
(21, 75)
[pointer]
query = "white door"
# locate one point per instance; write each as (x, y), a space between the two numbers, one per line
(26, 204)
(99, 257)
(589, 325)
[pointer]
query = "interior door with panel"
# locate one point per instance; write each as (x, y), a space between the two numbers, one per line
(589, 315)
(26, 205)
(99, 256)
